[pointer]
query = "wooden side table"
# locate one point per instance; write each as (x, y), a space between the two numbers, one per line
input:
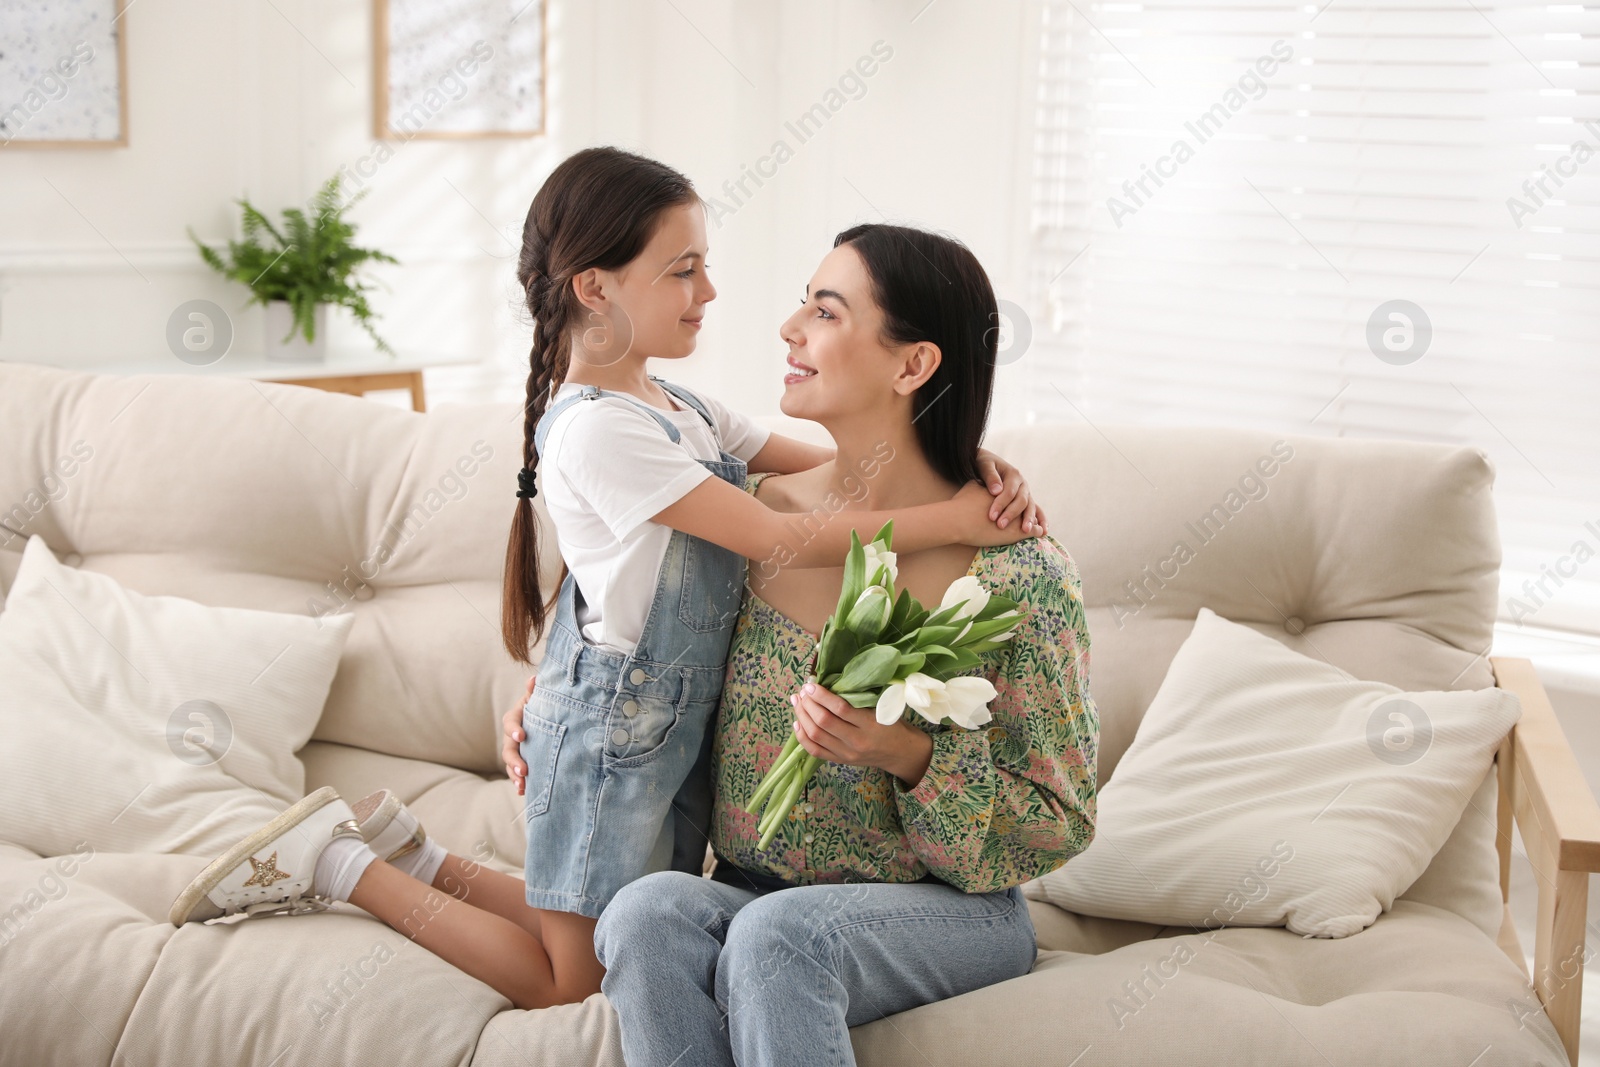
(352, 371)
(359, 384)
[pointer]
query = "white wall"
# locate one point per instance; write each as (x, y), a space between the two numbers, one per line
(267, 100)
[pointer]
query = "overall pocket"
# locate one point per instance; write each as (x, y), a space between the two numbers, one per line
(639, 727)
(713, 585)
(540, 748)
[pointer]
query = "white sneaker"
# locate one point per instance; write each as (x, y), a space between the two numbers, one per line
(388, 826)
(272, 871)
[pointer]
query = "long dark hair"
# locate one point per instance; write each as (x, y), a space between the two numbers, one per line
(932, 288)
(599, 208)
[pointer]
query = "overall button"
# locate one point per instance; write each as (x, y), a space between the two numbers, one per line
(619, 737)
(637, 677)
(809, 808)
(808, 838)
(629, 708)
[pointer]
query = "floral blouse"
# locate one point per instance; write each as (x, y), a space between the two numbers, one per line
(997, 806)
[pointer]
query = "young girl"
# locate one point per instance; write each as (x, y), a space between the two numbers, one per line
(643, 481)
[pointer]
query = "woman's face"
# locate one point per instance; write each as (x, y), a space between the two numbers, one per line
(838, 363)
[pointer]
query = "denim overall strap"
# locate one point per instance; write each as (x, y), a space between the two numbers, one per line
(590, 392)
(688, 398)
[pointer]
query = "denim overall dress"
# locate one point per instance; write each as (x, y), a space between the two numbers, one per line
(618, 745)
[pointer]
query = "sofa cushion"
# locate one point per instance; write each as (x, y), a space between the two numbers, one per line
(1266, 787)
(295, 500)
(150, 724)
(1421, 986)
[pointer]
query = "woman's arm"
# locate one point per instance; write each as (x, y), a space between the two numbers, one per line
(722, 514)
(1015, 798)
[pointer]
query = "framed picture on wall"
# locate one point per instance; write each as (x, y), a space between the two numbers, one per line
(64, 74)
(458, 68)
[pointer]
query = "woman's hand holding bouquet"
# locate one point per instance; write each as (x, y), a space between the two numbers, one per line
(886, 651)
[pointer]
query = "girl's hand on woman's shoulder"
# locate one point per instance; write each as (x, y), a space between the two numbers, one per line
(974, 526)
(1013, 499)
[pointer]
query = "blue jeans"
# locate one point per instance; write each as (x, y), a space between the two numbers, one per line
(701, 972)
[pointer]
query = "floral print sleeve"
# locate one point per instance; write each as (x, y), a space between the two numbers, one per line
(1015, 799)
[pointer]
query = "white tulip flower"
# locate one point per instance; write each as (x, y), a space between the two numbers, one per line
(969, 589)
(963, 700)
(891, 703)
(966, 701)
(871, 611)
(918, 690)
(878, 556)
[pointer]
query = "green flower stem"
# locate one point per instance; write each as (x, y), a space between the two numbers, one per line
(776, 813)
(776, 773)
(769, 810)
(798, 779)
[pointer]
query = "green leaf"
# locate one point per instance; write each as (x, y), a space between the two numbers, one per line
(894, 629)
(885, 534)
(855, 565)
(936, 635)
(996, 606)
(844, 644)
(981, 630)
(959, 661)
(910, 663)
(859, 700)
(868, 669)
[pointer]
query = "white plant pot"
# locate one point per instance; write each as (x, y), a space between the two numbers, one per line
(280, 319)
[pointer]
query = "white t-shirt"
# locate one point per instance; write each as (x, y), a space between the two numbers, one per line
(606, 468)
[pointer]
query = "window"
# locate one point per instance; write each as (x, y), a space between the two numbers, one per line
(1346, 218)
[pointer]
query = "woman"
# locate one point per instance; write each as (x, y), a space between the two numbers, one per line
(895, 880)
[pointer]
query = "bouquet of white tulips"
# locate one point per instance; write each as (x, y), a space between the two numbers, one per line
(883, 650)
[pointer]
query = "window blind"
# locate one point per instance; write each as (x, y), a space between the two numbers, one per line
(1229, 200)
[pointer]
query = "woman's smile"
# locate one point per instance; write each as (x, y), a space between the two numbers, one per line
(800, 373)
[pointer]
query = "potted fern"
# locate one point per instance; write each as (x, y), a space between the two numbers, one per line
(298, 270)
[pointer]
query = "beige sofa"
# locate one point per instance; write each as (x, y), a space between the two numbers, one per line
(232, 492)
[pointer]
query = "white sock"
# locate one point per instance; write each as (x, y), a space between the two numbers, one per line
(424, 863)
(340, 867)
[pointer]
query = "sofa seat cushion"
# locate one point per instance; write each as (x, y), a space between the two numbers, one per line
(1420, 986)
(334, 987)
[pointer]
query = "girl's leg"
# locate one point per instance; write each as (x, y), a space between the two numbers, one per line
(490, 890)
(801, 966)
(660, 939)
(502, 953)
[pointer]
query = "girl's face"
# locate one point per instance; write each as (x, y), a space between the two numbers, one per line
(838, 363)
(654, 305)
